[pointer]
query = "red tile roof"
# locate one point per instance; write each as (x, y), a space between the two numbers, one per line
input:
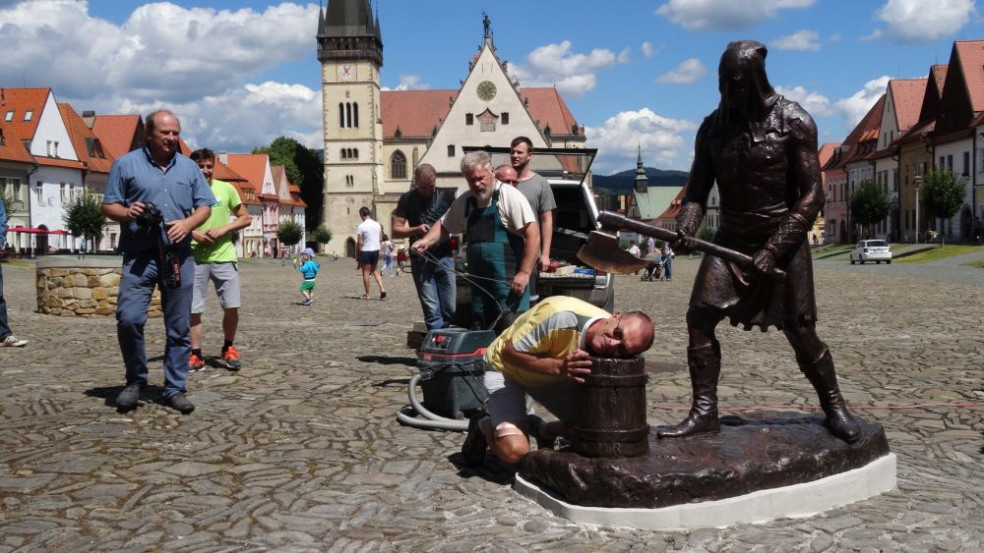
(826, 152)
(58, 162)
(970, 54)
(250, 166)
(118, 133)
(907, 96)
(417, 113)
(938, 73)
(87, 146)
(864, 132)
(12, 146)
(20, 101)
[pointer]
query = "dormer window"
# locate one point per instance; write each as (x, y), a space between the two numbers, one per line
(28, 114)
(9, 117)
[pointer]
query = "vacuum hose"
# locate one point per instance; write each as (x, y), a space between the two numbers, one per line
(425, 418)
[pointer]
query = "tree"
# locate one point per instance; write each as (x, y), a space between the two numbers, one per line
(869, 204)
(84, 218)
(289, 233)
(305, 169)
(322, 234)
(942, 195)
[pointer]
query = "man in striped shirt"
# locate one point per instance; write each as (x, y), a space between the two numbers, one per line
(542, 355)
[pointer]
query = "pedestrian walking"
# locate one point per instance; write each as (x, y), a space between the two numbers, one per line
(7, 338)
(309, 270)
(158, 196)
(386, 252)
(370, 235)
(215, 261)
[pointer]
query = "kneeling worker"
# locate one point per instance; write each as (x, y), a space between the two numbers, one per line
(544, 353)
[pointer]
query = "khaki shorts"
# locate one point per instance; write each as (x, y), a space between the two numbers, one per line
(510, 402)
(226, 279)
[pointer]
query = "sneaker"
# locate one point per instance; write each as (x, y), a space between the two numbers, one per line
(13, 342)
(195, 363)
(231, 358)
(127, 399)
(179, 403)
(474, 446)
(306, 301)
(538, 430)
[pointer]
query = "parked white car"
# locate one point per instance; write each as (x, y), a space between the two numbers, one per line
(871, 250)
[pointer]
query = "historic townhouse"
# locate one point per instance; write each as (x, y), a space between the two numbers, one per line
(291, 206)
(373, 139)
(916, 156)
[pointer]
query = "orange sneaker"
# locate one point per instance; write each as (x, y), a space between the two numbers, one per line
(195, 363)
(231, 358)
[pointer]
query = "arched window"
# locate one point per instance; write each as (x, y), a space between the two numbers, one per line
(398, 165)
(348, 114)
(355, 153)
(355, 115)
(341, 115)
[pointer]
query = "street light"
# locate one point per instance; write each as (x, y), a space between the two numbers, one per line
(917, 180)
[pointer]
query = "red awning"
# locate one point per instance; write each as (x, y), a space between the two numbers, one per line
(58, 232)
(27, 230)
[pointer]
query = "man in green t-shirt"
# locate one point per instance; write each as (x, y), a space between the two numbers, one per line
(215, 260)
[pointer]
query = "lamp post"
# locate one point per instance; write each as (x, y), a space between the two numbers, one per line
(917, 180)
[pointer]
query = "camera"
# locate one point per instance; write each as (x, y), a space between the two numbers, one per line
(151, 217)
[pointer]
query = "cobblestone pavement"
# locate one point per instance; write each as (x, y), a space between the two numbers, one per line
(301, 450)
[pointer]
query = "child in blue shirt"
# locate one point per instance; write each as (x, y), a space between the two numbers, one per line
(309, 269)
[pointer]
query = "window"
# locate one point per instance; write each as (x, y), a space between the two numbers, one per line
(341, 115)
(56, 148)
(398, 165)
(450, 150)
(49, 149)
(469, 119)
(9, 117)
(949, 163)
(28, 114)
(505, 118)
(66, 193)
(966, 164)
(349, 180)
(39, 192)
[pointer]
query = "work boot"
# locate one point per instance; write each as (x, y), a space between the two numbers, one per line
(705, 368)
(127, 399)
(821, 375)
(474, 447)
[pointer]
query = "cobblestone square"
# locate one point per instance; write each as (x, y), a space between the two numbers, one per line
(301, 450)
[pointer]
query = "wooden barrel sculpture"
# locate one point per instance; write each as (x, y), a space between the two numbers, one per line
(609, 415)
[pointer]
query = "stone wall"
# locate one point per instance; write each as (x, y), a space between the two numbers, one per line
(88, 289)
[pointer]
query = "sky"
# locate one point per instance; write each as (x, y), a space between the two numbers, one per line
(635, 73)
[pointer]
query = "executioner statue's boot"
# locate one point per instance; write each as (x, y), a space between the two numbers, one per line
(705, 369)
(821, 375)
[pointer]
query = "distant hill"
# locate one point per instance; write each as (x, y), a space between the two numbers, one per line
(622, 183)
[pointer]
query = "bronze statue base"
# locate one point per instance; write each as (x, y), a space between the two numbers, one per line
(784, 465)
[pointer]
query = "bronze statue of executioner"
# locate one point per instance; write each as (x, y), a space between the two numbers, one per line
(761, 149)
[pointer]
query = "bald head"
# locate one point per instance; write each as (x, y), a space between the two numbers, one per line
(506, 174)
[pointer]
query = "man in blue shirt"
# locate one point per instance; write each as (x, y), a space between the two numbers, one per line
(156, 174)
(7, 338)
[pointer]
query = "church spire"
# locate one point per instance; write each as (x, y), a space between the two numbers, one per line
(348, 31)
(641, 180)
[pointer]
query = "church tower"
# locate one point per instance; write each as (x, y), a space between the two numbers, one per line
(350, 49)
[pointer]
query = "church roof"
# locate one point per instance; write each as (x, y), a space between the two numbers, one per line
(348, 18)
(655, 201)
(417, 113)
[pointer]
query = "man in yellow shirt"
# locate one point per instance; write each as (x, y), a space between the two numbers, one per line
(215, 260)
(543, 354)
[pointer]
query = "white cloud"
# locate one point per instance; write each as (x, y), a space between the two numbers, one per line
(573, 74)
(850, 110)
(699, 15)
(814, 103)
(800, 40)
(648, 50)
(925, 20)
(688, 72)
(854, 107)
(410, 82)
(663, 140)
(196, 61)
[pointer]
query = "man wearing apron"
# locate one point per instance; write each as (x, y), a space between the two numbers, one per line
(503, 238)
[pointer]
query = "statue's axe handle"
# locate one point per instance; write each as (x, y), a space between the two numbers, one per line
(610, 220)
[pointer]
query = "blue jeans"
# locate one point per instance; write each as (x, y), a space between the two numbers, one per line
(668, 267)
(140, 276)
(435, 289)
(4, 329)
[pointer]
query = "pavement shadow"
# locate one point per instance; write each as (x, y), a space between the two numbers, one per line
(491, 470)
(389, 360)
(150, 394)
